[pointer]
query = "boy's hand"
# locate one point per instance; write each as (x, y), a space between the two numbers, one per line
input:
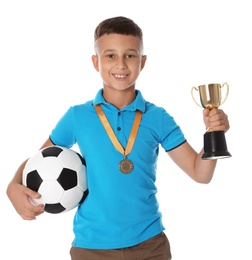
(19, 196)
(216, 120)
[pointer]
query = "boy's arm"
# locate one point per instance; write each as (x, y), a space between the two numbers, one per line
(189, 160)
(192, 164)
(19, 194)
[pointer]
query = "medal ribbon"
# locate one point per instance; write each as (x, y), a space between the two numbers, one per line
(112, 135)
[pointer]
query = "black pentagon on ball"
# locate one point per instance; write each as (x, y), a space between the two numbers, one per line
(68, 179)
(81, 158)
(52, 151)
(34, 180)
(84, 196)
(54, 208)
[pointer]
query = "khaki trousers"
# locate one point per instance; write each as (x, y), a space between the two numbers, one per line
(156, 248)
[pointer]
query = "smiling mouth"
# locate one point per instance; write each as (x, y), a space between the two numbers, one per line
(120, 76)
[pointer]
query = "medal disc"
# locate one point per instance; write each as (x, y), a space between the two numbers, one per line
(126, 166)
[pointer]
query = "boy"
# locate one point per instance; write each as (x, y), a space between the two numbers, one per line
(118, 134)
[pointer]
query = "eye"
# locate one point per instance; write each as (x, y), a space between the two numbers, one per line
(129, 56)
(111, 56)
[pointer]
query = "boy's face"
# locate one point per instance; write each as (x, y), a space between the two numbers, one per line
(119, 60)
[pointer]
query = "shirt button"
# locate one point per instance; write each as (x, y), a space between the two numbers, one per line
(119, 113)
(119, 128)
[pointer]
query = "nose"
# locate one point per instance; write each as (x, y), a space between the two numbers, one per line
(121, 64)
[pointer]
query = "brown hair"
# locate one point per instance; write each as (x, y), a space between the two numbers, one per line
(118, 25)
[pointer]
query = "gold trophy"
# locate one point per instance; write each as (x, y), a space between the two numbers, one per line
(215, 146)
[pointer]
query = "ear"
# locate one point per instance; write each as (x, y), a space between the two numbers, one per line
(144, 58)
(95, 62)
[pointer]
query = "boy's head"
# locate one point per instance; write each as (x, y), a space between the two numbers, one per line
(118, 52)
(118, 25)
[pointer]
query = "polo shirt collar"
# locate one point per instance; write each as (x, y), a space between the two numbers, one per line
(137, 104)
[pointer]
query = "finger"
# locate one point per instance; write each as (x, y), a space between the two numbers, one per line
(206, 112)
(32, 212)
(31, 193)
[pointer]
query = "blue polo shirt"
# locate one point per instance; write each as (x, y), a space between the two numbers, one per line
(121, 210)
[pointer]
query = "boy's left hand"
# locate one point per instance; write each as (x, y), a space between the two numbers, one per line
(216, 120)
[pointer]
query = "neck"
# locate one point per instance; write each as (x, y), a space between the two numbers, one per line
(119, 98)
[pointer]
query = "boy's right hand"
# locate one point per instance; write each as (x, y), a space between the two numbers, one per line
(19, 196)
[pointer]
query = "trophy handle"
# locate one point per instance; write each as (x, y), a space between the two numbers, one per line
(194, 88)
(225, 84)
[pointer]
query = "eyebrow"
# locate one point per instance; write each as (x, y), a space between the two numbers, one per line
(112, 50)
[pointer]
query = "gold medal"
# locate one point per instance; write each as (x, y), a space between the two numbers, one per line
(126, 166)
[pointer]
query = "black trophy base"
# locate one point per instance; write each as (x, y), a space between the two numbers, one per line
(215, 146)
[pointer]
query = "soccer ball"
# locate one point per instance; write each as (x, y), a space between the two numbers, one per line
(58, 174)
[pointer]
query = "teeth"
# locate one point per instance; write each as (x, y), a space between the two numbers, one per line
(120, 76)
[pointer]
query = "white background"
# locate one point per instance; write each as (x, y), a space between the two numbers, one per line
(45, 66)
